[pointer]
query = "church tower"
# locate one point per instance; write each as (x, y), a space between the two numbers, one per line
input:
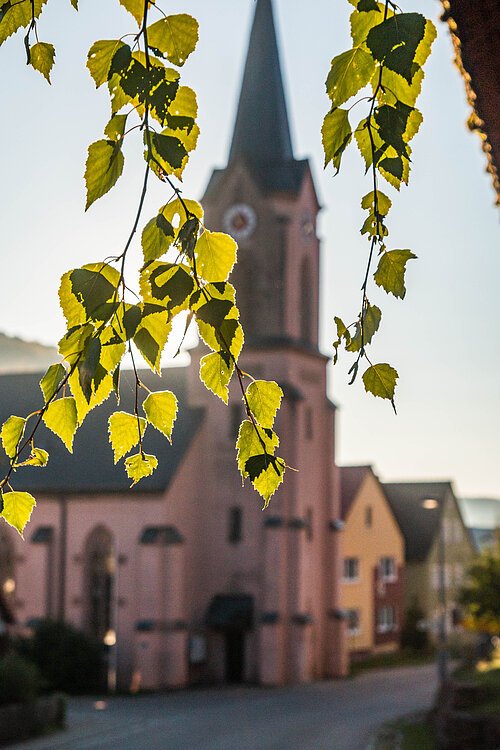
(285, 564)
(265, 198)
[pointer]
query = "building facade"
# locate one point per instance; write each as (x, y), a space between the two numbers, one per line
(184, 577)
(372, 566)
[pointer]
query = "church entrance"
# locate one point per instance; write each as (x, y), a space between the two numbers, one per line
(235, 656)
(232, 616)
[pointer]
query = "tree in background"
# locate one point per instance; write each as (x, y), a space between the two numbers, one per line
(480, 594)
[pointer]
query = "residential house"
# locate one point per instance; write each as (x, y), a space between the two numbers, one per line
(373, 564)
(438, 546)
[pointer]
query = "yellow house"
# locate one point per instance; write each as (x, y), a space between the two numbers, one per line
(372, 588)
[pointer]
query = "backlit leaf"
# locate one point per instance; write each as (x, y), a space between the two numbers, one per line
(161, 411)
(216, 372)
(251, 442)
(103, 168)
(349, 73)
(15, 15)
(136, 8)
(116, 127)
(175, 37)
(100, 394)
(140, 465)
(337, 135)
(123, 431)
(99, 59)
(266, 474)
(38, 457)
(11, 434)
(381, 380)
(61, 417)
(215, 255)
(424, 48)
(157, 237)
(151, 336)
(42, 57)
(51, 380)
(264, 399)
(390, 274)
(383, 202)
(17, 507)
(394, 42)
(363, 335)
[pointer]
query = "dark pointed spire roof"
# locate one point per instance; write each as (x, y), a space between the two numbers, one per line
(261, 131)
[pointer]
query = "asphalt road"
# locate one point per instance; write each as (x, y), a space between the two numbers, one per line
(337, 715)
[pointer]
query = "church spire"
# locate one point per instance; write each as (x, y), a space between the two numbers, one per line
(261, 131)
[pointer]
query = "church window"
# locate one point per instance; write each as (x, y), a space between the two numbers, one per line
(305, 300)
(235, 525)
(309, 524)
(99, 582)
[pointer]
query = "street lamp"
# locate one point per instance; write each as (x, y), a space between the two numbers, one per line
(442, 654)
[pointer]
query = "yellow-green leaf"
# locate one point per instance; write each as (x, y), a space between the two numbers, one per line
(215, 255)
(161, 411)
(136, 8)
(174, 36)
(61, 418)
(252, 443)
(371, 322)
(15, 15)
(337, 135)
(38, 457)
(11, 434)
(216, 372)
(84, 406)
(72, 308)
(51, 380)
(103, 168)
(264, 399)
(390, 274)
(381, 381)
(151, 336)
(140, 465)
(349, 73)
(123, 431)
(17, 507)
(100, 57)
(42, 57)
(266, 474)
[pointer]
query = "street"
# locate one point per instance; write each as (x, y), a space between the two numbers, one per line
(334, 715)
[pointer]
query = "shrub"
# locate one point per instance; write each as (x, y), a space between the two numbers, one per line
(68, 659)
(19, 679)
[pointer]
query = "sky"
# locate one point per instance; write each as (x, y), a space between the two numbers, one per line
(443, 338)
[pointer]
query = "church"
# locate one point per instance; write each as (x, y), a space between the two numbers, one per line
(184, 577)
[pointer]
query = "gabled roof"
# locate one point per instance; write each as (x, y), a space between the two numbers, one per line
(261, 131)
(90, 469)
(351, 479)
(418, 524)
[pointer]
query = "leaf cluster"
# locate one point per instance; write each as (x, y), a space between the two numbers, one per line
(185, 270)
(384, 68)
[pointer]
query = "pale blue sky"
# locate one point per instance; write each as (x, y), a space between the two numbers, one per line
(443, 338)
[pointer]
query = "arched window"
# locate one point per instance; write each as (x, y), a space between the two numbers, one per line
(99, 579)
(306, 291)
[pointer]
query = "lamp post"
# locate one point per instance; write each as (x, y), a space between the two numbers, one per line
(442, 654)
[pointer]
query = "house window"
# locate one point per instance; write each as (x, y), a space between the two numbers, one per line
(387, 568)
(353, 622)
(368, 516)
(351, 569)
(305, 300)
(235, 526)
(386, 619)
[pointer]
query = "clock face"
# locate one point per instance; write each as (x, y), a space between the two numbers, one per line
(307, 226)
(240, 221)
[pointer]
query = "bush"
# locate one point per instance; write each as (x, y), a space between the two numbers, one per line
(19, 679)
(68, 659)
